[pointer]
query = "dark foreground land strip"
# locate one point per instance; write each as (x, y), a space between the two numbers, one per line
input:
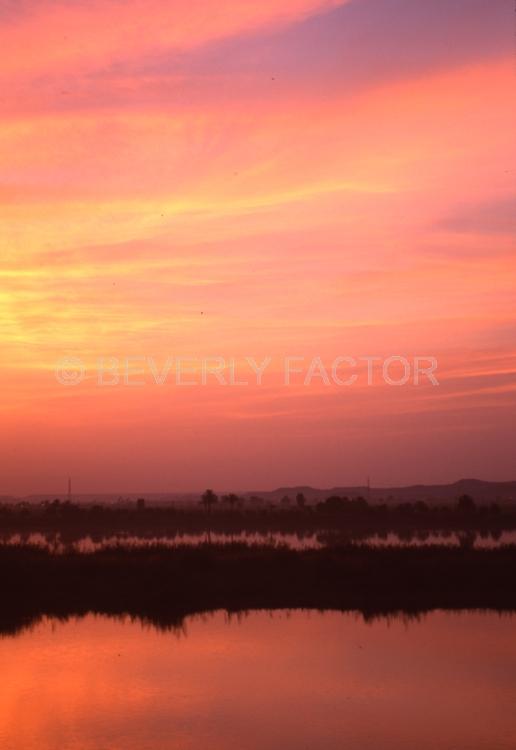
(163, 585)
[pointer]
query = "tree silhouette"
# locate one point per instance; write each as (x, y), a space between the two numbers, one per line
(208, 499)
(233, 500)
(466, 503)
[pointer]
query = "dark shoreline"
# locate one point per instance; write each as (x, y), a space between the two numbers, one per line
(335, 519)
(162, 585)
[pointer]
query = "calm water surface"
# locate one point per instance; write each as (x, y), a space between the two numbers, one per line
(288, 681)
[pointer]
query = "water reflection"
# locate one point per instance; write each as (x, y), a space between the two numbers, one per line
(289, 680)
(59, 542)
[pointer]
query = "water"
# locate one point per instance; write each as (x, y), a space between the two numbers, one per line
(286, 681)
(57, 543)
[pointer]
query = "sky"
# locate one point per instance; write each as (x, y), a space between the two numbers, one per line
(188, 187)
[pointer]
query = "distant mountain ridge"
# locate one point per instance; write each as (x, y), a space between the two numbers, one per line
(476, 488)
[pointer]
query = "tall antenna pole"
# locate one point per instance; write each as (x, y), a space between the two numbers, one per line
(368, 489)
(69, 489)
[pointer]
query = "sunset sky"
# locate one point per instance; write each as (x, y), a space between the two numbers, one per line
(256, 179)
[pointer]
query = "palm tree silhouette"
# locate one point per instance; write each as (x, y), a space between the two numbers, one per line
(208, 499)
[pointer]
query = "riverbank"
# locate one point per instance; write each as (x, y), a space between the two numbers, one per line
(164, 584)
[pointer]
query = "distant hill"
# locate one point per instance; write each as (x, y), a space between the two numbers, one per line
(478, 489)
